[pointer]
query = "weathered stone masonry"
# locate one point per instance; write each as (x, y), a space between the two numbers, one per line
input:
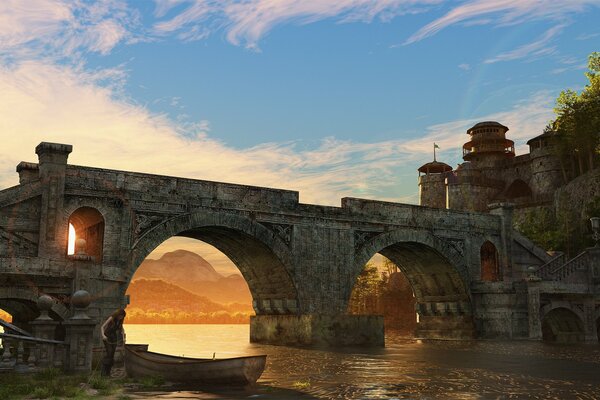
(300, 260)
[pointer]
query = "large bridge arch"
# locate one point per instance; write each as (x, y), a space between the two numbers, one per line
(263, 259)
(437, 273)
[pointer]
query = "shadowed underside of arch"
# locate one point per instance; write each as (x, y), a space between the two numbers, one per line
(436, 273)
(262, 259)
(432, 277)
(265, 274)
(562, 325)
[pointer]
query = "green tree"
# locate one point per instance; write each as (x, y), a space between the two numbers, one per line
(577, 123)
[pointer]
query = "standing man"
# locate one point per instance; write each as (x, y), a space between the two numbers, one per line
(112, 332)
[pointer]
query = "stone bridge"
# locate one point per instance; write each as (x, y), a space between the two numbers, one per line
(471, 273)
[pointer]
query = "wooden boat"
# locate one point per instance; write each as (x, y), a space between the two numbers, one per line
(140, 362)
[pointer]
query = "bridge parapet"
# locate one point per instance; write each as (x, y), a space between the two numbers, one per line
(141, 186)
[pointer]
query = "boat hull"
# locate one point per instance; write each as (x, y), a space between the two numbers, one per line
(238, 371)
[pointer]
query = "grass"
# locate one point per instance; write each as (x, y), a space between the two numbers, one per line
(54, 384)
(299, 385)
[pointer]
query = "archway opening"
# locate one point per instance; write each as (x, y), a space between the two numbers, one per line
(87, 223)
(442, 307)
(490, 270)
(562, 325)
(186, 281)
(518, 189)
(5, 316)
(202, 287)
(382, 289)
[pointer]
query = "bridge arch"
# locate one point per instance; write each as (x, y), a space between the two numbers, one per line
(22, 304)
(263, 259)
(437, 273)
(562, 323)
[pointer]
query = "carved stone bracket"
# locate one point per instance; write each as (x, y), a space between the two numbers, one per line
(145, 222)
(283, 231)
(361, 237)
(457, 244)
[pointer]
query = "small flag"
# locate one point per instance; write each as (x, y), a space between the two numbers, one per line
(435, 146)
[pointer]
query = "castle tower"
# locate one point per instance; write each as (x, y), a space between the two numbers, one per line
(488, 145)
(432, 185)
(545, 166)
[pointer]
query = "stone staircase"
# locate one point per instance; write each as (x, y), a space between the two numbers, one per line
(583, 268)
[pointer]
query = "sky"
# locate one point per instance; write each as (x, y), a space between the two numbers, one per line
(331, 98)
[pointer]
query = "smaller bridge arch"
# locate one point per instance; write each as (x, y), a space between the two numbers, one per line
(22, 304)
(437, 273)
(562, 323)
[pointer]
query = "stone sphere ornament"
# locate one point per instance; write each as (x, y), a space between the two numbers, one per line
(44, 304)
(80, 245)
(81, 299)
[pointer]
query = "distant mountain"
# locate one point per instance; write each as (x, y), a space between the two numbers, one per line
(193, 273)
(178, 266)
(157, 295)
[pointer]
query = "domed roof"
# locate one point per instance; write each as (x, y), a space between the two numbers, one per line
(435, 167)
(486, 123)
(547, 134)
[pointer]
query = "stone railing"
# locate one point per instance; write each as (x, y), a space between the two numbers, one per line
(579, 263)
(546, 271)
(28, 354)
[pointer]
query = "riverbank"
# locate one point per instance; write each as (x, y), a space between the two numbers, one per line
(53, 383)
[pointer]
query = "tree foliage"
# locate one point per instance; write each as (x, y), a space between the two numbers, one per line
(577, 124)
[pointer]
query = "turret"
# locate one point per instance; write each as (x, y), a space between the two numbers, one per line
(488, 144)
(545, 165)
(432, 186)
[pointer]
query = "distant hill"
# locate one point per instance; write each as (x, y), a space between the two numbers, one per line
(154, 301)
(193, 273)
(157, 295)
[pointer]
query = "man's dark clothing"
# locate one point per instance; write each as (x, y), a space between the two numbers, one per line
(113, 333)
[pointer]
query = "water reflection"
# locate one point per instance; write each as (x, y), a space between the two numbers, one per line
(405, 369)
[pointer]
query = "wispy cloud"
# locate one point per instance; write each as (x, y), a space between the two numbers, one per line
(62, 28)
(507, 12)
(536, 48)
(464, 67)
(41, 102)
(246, 22)
(587, 36)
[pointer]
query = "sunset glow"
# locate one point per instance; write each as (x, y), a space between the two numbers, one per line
(71, 245)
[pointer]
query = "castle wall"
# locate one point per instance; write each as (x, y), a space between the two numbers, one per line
(546, 173)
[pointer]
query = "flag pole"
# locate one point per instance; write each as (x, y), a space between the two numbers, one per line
(434, 151)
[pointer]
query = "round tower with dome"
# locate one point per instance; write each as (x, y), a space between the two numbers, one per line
(488, 145)
(432, 183)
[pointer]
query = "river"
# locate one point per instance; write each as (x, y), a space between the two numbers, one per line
(405, 369)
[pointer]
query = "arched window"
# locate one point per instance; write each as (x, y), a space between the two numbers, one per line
(489, 262)
(87, 223)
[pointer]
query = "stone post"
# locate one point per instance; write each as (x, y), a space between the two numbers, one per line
(44, 327)
(589, 323)
(533, 308)
(505, 211)
(79, 334)
(594, 265)
(52, 169)
(82, 264)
